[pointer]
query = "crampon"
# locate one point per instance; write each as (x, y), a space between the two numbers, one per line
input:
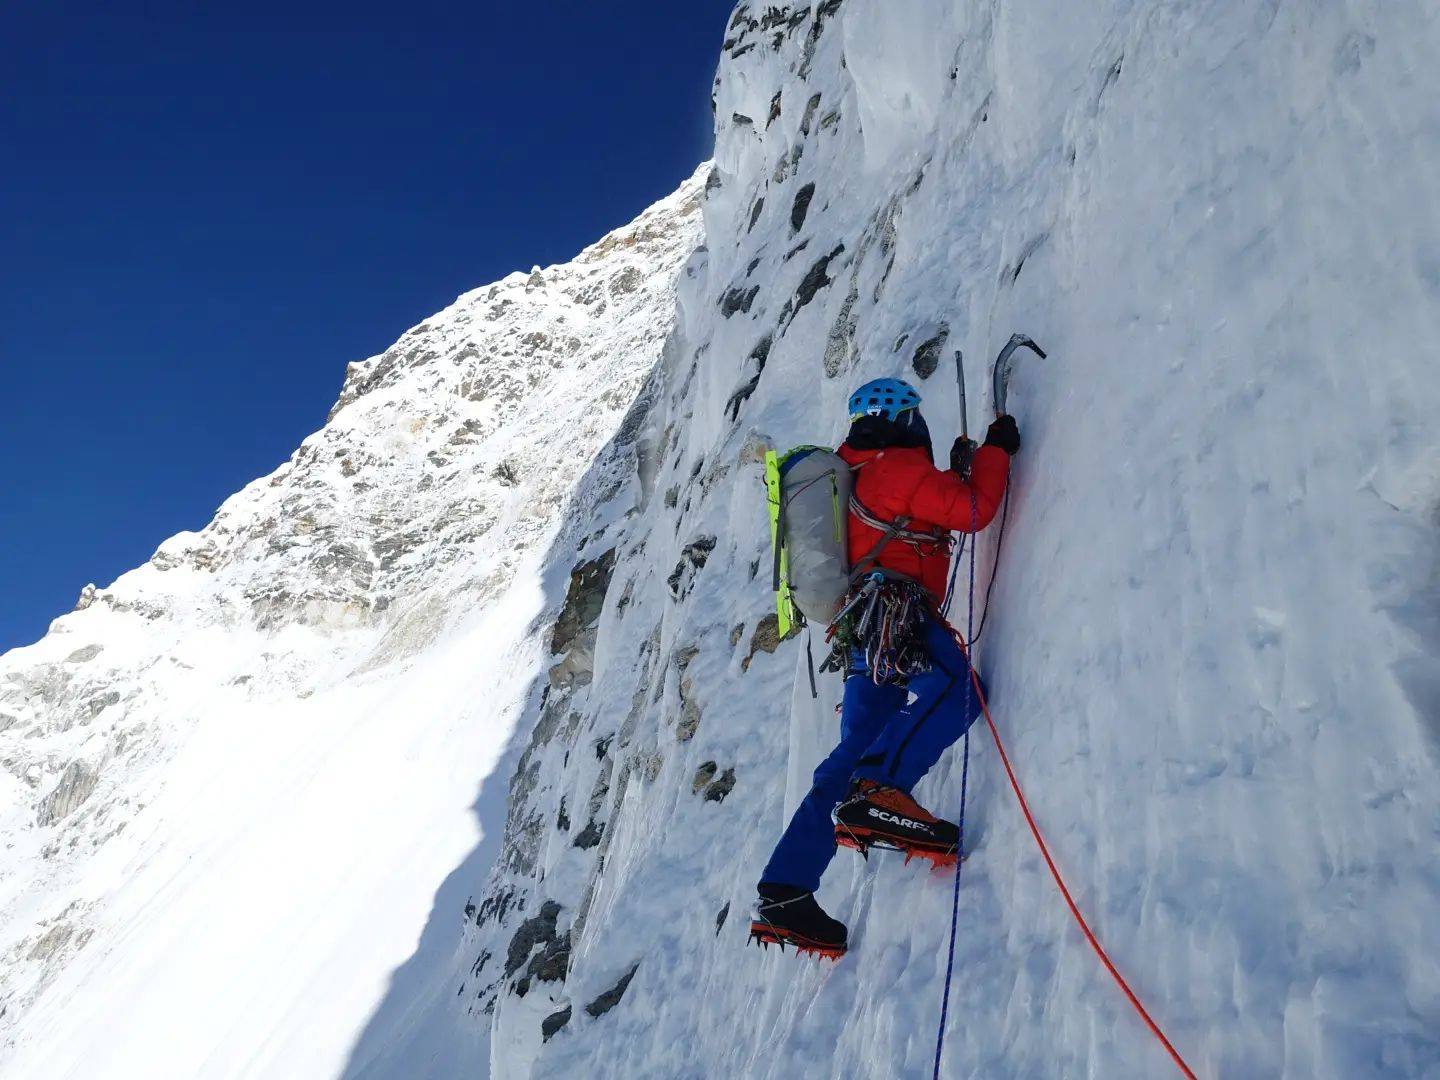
(940, 857)
(877, 816)
(766, 934)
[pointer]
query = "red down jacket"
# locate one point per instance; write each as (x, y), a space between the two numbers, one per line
(901, 482)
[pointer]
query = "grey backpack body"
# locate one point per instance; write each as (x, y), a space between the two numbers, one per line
(809, 490)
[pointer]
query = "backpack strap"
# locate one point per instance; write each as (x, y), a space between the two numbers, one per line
(912, 536)
(867, 561)
(810, 663)
(890, 530)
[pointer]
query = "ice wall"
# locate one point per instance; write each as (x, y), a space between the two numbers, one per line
(1213, 641)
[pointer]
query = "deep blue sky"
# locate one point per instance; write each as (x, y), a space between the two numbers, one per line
(205, 214)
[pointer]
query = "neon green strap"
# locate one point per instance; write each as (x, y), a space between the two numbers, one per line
(784, 605)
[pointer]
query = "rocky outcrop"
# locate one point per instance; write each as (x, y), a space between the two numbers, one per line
(692, 560)
(717, 789)
(551, 1025)
(765, 638)
(574, 636)
(611, 997)
(538, 931)
(76, 784)
(584, 598)
(927, 354)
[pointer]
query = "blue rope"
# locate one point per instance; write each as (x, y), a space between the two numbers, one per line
(954, 568)
(964, 785)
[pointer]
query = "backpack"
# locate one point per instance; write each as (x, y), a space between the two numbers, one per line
(808, 490)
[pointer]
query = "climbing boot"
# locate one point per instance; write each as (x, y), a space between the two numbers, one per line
(787, 915)
(875, 815)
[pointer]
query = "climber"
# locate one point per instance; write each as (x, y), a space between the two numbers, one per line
(907, 693)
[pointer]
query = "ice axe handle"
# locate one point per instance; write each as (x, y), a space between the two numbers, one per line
(1005, 361)
(960, 381)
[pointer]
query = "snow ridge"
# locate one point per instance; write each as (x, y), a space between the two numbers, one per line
(234, 778)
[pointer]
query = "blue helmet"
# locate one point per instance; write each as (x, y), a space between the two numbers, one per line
(883, 397)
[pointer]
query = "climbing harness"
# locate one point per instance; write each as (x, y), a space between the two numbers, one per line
(925, 542)
(884, 611)
(882, 620)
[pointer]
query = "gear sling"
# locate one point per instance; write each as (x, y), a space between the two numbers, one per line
(810, 493)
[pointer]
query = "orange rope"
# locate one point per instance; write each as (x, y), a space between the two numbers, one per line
(1059, 881)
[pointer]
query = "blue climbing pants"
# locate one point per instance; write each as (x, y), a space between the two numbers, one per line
(892, 734)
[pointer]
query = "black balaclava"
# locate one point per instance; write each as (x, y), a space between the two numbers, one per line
(876, 433)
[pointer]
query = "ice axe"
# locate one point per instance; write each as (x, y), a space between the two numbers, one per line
(1005, 362)
(967, 445)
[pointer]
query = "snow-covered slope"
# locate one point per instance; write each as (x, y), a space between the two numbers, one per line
(1213, 642)
(1212, 646)
(236, 779)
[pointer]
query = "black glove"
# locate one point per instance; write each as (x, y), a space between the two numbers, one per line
(1004, 434)
(960, 455)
